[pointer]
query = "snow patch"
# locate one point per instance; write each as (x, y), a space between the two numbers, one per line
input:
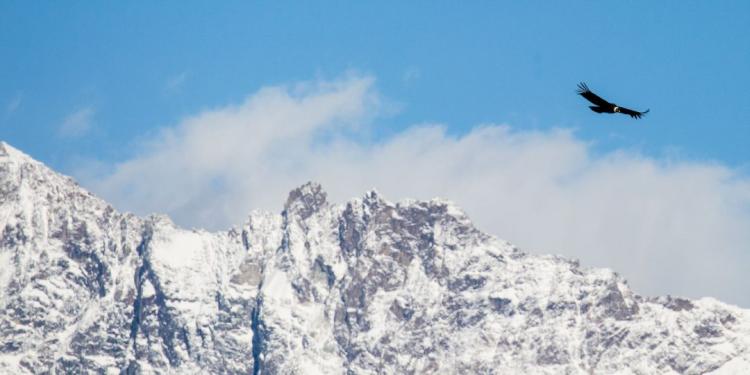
(736, 366)
(7, 270)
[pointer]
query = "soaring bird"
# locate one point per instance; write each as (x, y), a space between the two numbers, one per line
(603, 106)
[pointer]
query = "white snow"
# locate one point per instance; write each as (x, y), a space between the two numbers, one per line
(735, 366)
(178, 249)
(6, 273)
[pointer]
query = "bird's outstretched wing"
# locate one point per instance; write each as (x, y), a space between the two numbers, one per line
(584, 91)
(632, 113)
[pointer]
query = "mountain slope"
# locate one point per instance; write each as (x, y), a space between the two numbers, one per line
(369, 286)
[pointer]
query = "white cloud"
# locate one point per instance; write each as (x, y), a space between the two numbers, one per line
(669, 226)
(77, 124)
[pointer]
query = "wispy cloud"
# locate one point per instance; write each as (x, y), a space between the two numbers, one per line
(14, 104)
(175, 83)
(411, 74)
(77, 124)
(670, 226)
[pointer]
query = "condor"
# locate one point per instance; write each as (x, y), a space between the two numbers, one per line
(603, 106)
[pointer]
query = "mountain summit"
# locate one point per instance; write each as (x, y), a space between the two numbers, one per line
(365, 287)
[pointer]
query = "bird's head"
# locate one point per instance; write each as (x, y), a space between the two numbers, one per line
(617, 109)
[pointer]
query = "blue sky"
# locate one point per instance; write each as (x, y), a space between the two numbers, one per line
(140, 66)
(205, 111)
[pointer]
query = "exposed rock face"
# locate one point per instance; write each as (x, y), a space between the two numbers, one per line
(365, 287)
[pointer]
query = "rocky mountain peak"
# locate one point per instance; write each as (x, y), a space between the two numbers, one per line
(8, 151)
(4, 148)
(14, 165)
(306, 200)
(363, 287)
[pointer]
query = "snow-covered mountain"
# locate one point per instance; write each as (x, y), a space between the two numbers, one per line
(364, 287)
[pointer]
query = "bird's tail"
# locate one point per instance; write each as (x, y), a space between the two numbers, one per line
(597, 109)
